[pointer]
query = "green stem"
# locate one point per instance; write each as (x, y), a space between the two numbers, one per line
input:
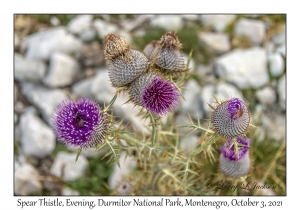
(111, 102)
(154, 129)
(128, 138)
(204, 129)
(235, 193)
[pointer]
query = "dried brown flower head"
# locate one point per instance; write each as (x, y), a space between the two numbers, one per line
(116, 46)
(170, 40)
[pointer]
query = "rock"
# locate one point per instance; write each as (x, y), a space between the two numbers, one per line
(189, 143)
(83, 88)
(282, 50)
(276, 64)
(207, 98)
(88, 35)
(266, 96)
(167, 22)
(217, 22)
(130, 113)
(206, 74)
(270, 48)
(66, 191)
(217, 43)
(192, 104)
(17, 132)
(101, 86)
(27, 180)
(64, 166)
(203, 70)
(37, 139)
(16, 118)
(223, 91)
(246, 68)
(42, 44)
(62, 70)
(54, 21)
(17, 41)
(118, 175)
(132, 24)
(43, 98)
(20, 157)
(274, 126)
(80, 23)
(254, 30)
(281, 89)
(103, 28)
(192, 65)
(91, 55)
(28, 69)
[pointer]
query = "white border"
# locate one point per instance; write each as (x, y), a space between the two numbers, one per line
(237, 6)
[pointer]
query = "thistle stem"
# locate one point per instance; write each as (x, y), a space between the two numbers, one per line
(128, 138)
(154, 129)
(111, 102)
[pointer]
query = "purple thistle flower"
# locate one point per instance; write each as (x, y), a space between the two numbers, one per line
(79, 123)
(152, 92)
(234, 166)
(231, 118)
(230, 154)
(235, 108)
(160, 97)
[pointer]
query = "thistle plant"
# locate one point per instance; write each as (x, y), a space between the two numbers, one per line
(153, 81)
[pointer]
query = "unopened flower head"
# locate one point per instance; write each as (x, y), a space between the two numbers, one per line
(80, 123)
(155, 94)
(123, 72)
(232, 164)
(231, 118)
(125, 63)
(167, 53)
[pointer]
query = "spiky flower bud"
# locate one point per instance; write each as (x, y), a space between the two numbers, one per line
(80, 123)
(232, 164)
(125, 64)
(123, 72)
(231, 118)
(152, 92)
(167, 53)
